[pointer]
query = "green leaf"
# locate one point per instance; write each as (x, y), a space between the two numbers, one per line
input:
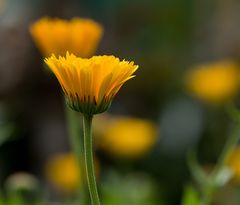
(15, 200)
(190, 197)
(2, 200)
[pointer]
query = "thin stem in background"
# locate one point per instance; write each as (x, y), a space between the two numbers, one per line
(74, 129)
(227, 150)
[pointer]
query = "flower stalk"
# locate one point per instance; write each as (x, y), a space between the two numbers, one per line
(227, 150)
(88, 152)
(207, 194)
(77, 147)
(232, 141)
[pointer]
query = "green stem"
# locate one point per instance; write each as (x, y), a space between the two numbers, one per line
(208, 190)
(74, 130)
(89, 159)
(207, 194)
(227, 150)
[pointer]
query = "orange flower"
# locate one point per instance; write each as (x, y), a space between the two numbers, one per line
(78, 36)
(90, 84)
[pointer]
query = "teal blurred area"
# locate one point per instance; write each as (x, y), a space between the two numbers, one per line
(166, 38)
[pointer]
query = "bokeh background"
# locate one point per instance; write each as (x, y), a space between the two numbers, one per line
(166, 38)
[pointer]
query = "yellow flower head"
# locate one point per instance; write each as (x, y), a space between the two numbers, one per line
(90, 84)
(214, 82)
(127, 137)
(234, 164)
(79, 36)
(63, 172)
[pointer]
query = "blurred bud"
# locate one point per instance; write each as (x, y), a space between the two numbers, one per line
(216, 82)
(23, 185)
(223, 177)
(126, 137)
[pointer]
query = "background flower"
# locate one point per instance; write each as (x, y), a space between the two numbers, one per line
(126, 137)
(62, 171)
(78, 35)
(215, 82)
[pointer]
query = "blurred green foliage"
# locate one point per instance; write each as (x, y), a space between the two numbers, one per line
(130, 189)
(190, 196)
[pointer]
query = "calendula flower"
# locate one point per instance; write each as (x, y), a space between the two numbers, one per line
(214, 82)
(234, 164)
(63, 172)
(127, 137)
(79, 36)
(90, 84)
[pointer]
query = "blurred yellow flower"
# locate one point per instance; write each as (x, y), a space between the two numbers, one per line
(63, 172)
(78, 36)
(90, 84)
(234, 164)
(214, 82)
(128, 138)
